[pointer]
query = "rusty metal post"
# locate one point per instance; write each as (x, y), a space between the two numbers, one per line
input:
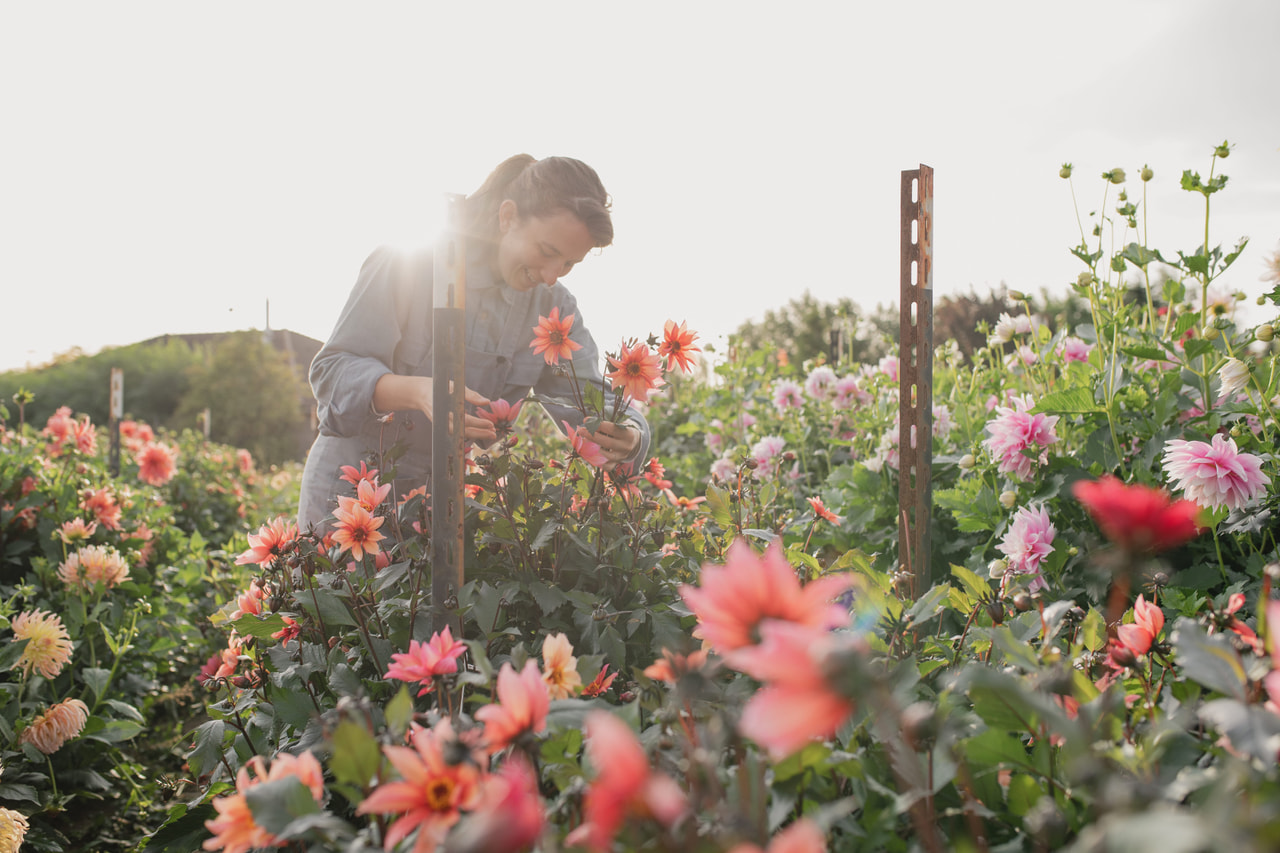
(448, 369)
(915, 376)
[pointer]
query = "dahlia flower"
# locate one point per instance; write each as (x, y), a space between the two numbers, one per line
(1014, 431)
(1215, 474)
(57, 725)
(48, 643)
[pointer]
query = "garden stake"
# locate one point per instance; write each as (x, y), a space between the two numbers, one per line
(915, 370)
(448, 369)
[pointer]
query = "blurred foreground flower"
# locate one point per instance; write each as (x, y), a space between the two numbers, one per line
(433, 793)
(234, 829)
(521, 709)
(624, 785)
(736, 597)
(1138, 518)
(803, 836)
(797, 704)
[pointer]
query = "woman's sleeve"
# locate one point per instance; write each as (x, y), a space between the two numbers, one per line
(361, 348)
(586, 366)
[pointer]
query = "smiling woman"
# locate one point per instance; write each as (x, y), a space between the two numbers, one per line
(527, 226)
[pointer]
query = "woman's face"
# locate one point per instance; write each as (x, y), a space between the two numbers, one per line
(536, 250)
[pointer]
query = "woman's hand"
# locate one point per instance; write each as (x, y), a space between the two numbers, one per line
(406, 393)
(617, 441)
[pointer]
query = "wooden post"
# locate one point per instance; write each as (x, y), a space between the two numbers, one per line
(915, 376)
(113, 421)
(448, 370)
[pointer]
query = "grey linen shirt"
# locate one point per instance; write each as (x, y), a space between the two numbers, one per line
(386, 327)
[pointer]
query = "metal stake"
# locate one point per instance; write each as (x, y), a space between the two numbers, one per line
(915, 376)
(449, 328)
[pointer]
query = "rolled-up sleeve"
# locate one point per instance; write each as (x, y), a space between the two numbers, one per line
(362, 347)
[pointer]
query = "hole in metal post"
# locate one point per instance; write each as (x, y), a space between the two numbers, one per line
(915, 232)
(915, 190)
(915, 273)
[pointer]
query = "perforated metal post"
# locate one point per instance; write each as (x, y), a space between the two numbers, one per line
(448, 369)
(915, 375)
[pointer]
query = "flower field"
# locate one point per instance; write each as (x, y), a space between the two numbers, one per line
(723, 650)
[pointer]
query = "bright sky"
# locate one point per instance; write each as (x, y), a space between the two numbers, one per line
(169, 167)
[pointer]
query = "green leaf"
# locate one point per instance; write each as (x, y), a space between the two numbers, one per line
(10, 652)
(399, 712)
(1067, 401)
(1252, 730)
(183, 834)
(97, 679)
(1093, 630)
(113, 731)
(208, 747)
(261, 627)
(277, 803)
(930, 604)
(1209, 660)
(1024, 792)
(327, 606)
(976, 586)
(356, 756)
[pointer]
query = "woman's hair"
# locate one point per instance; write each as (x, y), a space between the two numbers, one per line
(541, 188)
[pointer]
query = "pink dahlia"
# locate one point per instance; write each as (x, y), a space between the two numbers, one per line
(1215, 474)
(1014, 431)
(156, 464)
(1027, 542)
(787, 395)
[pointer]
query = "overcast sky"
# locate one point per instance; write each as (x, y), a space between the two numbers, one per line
(170, 167)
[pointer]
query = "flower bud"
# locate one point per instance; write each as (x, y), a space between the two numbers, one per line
(1123, 656)
(997, 568)
(1212, 333)
(1262, 300)
(1072, 551)
(1022, 601)
(1084, 279)
(1223, 150)
(1124, 196)
(919, 725)
(1008, 499)
(1146, 173)
(1115, 176)
(1265, 332)
(995, 609)
(967, 461)
(1065, 171)
(1017, 296)
(751, 464)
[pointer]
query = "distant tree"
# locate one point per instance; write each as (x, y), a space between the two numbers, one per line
(960, 317)
(806, 328)
(254, 397)
(155, 379)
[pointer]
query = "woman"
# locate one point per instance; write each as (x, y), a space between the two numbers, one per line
(526, 227)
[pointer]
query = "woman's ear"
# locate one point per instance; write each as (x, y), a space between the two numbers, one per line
(507, 214)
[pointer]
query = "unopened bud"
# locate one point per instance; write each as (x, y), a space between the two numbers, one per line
(997, 568)
(1265, 332)
(1115, 176)
(1065, 171)
(1223, 150)
(1017, 296)
(1262, 300)
(1084, 279)
(1008, 498)
(1072, 551)
(1123, 656)
(1146, 173)
(967, 461)
(751, 464)
(1212, 333)
(1022, 601)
